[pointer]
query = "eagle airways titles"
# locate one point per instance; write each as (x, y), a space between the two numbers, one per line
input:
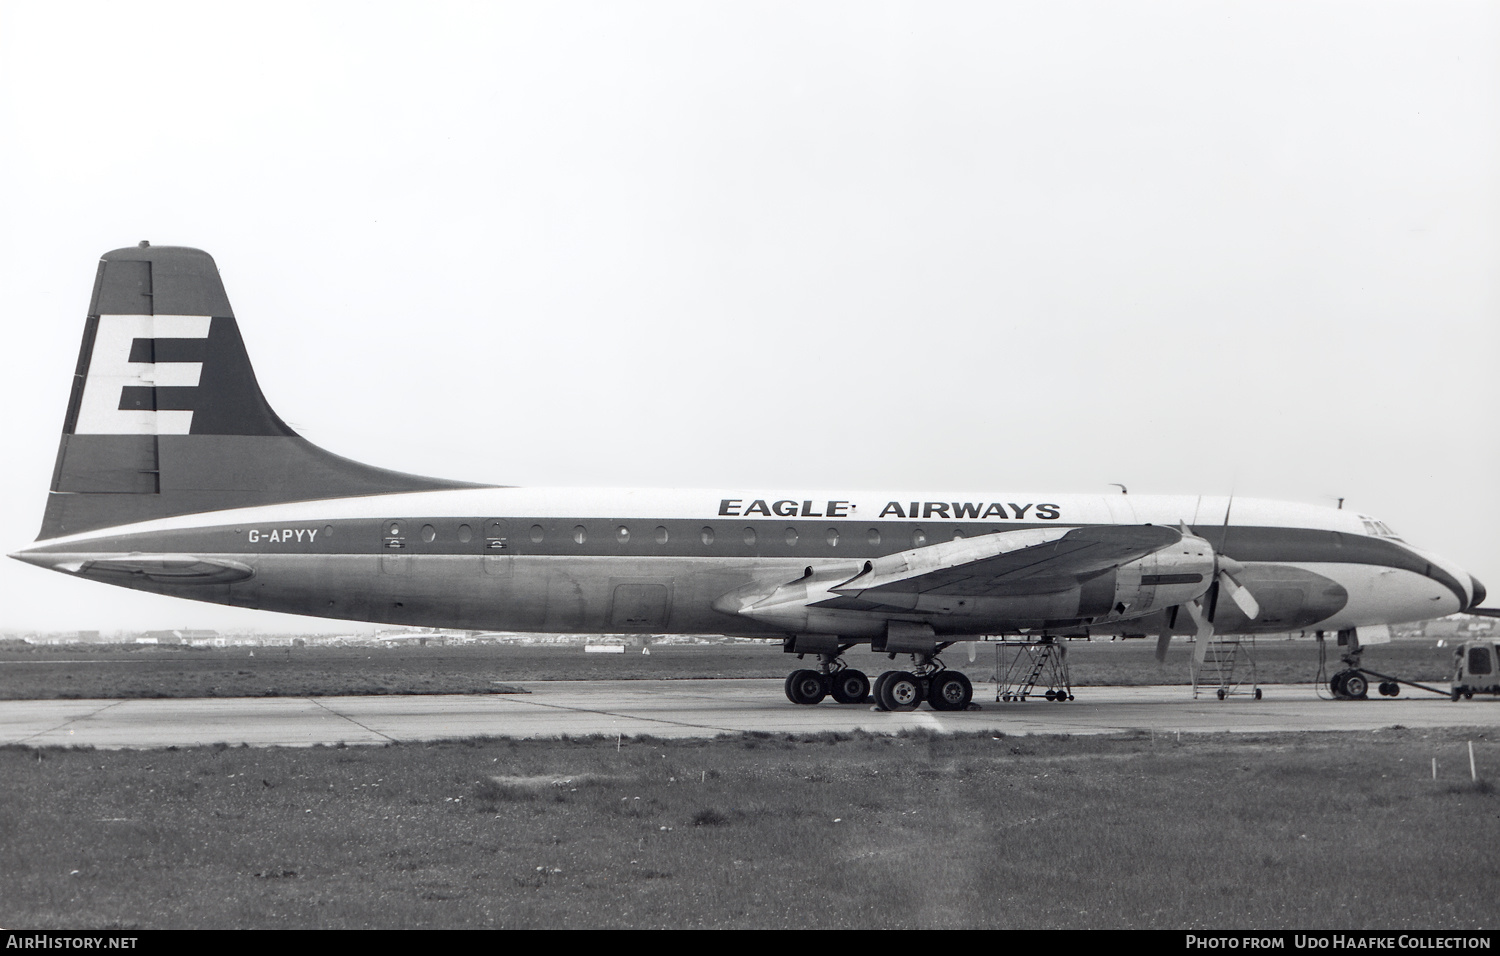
(175, 476)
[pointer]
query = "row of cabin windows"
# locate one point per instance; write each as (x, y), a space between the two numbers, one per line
(660, 535)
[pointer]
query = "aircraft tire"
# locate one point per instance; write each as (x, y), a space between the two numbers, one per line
(806, 687)
(1356, 687)
(901, 691)
(850, 687)
(950, 690)
(876, 689)
(1336, 685)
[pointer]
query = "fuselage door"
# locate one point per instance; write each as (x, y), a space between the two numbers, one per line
(639, 607)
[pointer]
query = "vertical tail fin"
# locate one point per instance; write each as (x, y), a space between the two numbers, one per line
(166, 417)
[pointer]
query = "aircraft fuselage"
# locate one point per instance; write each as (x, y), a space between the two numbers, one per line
(631, 561)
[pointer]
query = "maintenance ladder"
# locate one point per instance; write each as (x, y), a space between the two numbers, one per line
(1221, 670)
(1034, 662)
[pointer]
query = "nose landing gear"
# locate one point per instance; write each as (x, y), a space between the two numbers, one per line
(1353, 682)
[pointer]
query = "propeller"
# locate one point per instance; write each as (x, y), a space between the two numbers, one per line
(1201, 609)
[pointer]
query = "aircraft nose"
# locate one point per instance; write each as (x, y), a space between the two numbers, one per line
(1479, 592)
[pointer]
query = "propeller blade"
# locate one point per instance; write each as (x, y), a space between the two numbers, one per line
(1240, 595)
(1168, 625)
(1205, 629)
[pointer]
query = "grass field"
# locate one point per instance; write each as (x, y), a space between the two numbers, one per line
(1338, 831)
(130, 670)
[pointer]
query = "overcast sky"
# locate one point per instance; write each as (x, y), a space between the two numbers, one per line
(1199, 247)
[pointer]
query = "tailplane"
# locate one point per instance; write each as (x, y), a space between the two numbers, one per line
(166, 417)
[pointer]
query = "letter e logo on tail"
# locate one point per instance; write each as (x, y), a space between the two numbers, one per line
(113, 379)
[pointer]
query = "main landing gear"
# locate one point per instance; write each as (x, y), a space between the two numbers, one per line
(832, 679)
(893, 690)
(904, 690)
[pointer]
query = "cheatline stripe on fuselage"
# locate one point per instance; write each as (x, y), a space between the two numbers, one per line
(532, 522)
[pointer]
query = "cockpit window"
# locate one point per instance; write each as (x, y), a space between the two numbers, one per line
(1377, 528)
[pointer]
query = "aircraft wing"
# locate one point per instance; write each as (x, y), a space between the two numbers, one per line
(1035, 561)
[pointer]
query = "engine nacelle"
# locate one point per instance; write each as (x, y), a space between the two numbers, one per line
(1175, 575)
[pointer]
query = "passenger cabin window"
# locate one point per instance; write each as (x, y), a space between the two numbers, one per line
(537, 534)
(791, 537)
(873, 537)
(429, 533)
(661, 535)
(706, 536)
(580, 534)
(918, 538)
(833, 537)
(749, 537)
(622, 534)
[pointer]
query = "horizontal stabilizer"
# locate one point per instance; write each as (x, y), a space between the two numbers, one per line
(161, 568)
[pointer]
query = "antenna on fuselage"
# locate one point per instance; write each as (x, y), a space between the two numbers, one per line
(1123, 489)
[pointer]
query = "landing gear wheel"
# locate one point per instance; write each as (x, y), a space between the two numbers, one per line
(1257, 693)
(849, 687)
(950, 690)
(877, 690)
(901, 691)
(1223, 693)
(806, 687)
(1336, 685)
(1356, 687)
(1389, 688)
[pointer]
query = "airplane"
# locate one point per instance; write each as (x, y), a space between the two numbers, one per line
(175, 476)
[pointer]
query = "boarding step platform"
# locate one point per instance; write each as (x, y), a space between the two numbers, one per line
(1224, 666)
(1043, 662)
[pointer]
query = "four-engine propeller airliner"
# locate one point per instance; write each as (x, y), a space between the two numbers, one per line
(175, 476)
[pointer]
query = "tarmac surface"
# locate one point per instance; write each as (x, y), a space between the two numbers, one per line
(692, 708)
